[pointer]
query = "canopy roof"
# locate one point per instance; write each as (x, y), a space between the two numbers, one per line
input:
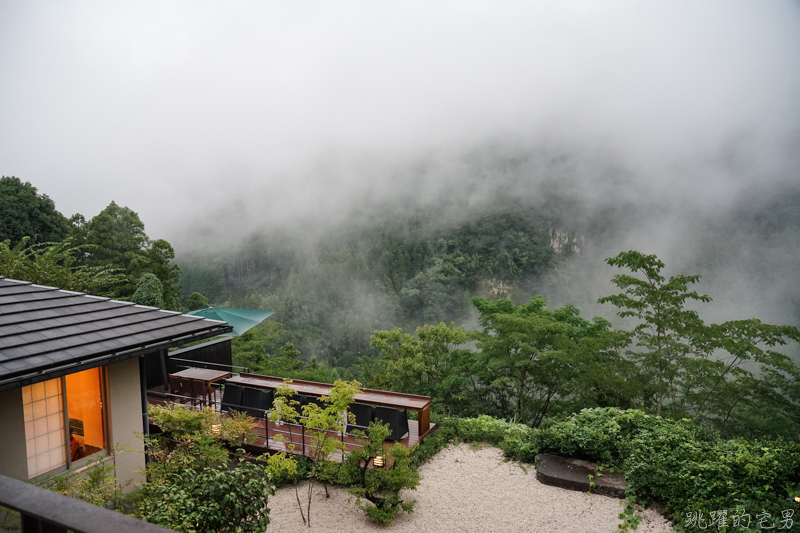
(240, 319)
(46, 332)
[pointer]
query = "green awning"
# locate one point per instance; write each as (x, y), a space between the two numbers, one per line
(240, 319)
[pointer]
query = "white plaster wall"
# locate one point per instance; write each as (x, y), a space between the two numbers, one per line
(125, 413)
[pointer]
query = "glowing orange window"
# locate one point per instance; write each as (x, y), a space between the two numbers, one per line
(85, 411)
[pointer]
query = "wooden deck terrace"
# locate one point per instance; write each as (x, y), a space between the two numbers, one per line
(263, 440)
(397, 400)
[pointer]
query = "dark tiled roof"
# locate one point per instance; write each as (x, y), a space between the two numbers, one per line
(44, 330)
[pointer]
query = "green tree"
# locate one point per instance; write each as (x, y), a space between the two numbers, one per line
(149, 291)
(197, 301)
(25, 213)
(430, 364)
(321, 424)
(193, 483)
(394, 269)
(119, 235)
(435, 293)
(160, 257)
(668, 334)
(716, 373)
(117, 238)
(380, 486)
(204, 276)
(529, 356)
(267, 349)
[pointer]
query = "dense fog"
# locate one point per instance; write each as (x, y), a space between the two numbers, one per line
(669, 127)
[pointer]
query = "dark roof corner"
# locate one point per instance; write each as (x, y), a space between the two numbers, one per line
(46, 332)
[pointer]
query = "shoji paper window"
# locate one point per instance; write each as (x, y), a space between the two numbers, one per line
(43, 406)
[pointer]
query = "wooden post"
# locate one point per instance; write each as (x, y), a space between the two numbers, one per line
(424, 418)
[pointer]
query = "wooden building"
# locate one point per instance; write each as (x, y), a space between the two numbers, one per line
(72, 385)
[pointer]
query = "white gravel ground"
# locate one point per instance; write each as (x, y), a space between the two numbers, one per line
(466, 490)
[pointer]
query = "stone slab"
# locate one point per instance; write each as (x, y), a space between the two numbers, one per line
(573, 474)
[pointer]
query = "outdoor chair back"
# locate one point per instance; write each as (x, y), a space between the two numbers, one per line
(397, 420)
(364, 414)
(231, 398)
(194, 389)
(251, 401)
(301, 401)
(316, 401)
(267, 397)
(175, 388)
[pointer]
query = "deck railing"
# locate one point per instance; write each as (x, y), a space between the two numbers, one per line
(293, 431)
(265, 435)
(44, 511)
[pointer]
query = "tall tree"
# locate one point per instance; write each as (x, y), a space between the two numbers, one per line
(267, 349)
(119, 235)
(529, 356)
(160, 257)
(431, 363)
(204, 276)
(716, 373)
(667, 333)
(116, 238)
(25, 213)
(196, 301)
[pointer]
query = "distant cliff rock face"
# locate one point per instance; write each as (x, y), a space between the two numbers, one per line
(562, 241)
(498, 288)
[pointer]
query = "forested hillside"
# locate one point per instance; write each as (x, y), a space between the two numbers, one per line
(387, 266)
(404, 270)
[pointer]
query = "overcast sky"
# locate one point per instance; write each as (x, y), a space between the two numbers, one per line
(176, 108)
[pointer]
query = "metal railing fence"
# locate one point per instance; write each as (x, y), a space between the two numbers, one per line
(45, 511)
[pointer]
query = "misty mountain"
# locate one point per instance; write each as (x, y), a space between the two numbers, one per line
(498, 223)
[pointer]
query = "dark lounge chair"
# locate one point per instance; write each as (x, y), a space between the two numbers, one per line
(251, 401)
(397, 420)
(267, 397)
(315, 400)
(231, 398)
(364, 414)
(301, 401)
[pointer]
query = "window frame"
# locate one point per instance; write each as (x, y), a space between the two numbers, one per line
(83, 462)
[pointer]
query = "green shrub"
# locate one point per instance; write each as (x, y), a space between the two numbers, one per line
(380, 486)
(193, 484)
(149, 291)
(96, 485)
(182, 423)
(446, 431)
(606, 434)
(677, 462)
(514, 439)
(210, 499)
(680, 463)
